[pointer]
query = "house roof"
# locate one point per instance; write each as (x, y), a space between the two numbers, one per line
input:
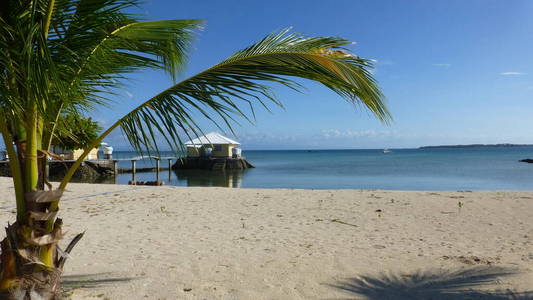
(212, 138)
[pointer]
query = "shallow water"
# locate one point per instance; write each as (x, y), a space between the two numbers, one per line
(492, 168)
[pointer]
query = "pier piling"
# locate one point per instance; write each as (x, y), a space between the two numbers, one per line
(157, 169)
(169, 169)
(115, 167)
(133, 162)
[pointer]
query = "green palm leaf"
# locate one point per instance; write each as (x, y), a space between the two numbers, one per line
(96, 43)
(242, 79)
(95, 59)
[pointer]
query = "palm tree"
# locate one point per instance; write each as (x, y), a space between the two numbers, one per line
(66, 56)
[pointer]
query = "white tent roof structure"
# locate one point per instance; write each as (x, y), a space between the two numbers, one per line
(212, 138)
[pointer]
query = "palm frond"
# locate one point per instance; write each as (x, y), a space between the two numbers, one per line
(90, 46)
(243, 78)
(96, 43)
(26, 65)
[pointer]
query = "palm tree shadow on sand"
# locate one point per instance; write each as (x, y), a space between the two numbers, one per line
(471, 283)
(72, 282)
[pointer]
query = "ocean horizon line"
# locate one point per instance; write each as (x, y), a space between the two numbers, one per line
(424, 147)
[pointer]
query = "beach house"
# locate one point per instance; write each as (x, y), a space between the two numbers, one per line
(74, 154)
(213, 145)
(213, 151)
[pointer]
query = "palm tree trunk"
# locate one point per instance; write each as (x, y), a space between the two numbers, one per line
(23, 276)
(30, 262)
(16, 171)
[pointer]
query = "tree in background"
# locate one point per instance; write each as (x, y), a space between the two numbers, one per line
(60, 56)
(75, 132)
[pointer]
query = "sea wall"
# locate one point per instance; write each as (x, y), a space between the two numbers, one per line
(88, 171)
(205, 163)
(4, 169)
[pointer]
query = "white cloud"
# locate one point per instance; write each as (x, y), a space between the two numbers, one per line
(442, 65)
(256, 137)
(102, 122)
(512, 73)
(117, 139)
(335, 133)
(382, 62)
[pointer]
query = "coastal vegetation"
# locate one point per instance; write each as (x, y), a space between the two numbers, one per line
(476, 146)
(60, 56)
(74, 131)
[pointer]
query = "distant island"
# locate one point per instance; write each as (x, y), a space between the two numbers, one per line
(476, 146)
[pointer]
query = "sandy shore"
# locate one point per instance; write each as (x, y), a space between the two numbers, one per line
(218, 243)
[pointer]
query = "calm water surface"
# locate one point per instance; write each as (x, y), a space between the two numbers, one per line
(403, 169)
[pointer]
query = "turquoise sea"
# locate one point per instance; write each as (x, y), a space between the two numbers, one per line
(483, 168)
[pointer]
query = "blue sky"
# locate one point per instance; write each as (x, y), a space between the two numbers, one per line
(452, 71)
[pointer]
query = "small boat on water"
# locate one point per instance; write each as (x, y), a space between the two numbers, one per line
(386, 151)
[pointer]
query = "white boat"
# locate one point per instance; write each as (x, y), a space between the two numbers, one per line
(385, 151)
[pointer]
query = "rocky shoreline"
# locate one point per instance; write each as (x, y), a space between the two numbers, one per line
(89, 171)
(203, 163)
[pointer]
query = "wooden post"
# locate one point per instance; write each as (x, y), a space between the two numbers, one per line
(46, 168)
(115, 167)
(133, 171)
(157, 169)
(115, 170)
(169, 169)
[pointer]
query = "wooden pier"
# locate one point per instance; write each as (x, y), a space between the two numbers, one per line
(134, 169)
(98, 170)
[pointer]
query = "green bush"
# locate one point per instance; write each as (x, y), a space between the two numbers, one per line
(74, 131)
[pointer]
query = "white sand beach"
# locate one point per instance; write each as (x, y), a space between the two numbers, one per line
(220, 243)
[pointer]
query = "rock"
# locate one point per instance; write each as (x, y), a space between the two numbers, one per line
(155, 183)
(5, 171)
(527, 160)
(204, 163)
(89, 171)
